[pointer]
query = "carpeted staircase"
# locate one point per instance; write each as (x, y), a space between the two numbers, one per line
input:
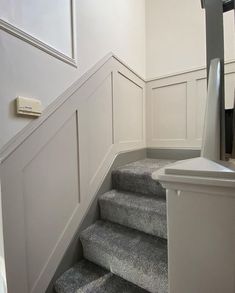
(125, 251)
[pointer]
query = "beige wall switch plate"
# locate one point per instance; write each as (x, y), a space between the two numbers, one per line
(27, 106)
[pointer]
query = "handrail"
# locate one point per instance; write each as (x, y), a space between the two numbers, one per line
(211, 141)
(227, 5)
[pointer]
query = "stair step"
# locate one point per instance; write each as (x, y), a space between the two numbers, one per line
(86, 277)
(141, 212)
(135, 256)
(137, 177)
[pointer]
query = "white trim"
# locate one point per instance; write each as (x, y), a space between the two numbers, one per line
(22, 35)
(187, 71)
(128, 67)
(74, 31)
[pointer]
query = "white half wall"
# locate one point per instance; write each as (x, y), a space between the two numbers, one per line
(101, 27)
(176, 39)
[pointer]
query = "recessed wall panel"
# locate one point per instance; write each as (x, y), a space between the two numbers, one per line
(42, 20)
(169, 112)
(96, 128)
(51, 194)
(129, 110)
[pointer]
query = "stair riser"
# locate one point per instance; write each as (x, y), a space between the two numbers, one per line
(97, 255)
(143, 184)
(145, 221)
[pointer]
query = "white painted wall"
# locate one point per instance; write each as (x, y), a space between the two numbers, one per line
(175, 36)
(102, 26)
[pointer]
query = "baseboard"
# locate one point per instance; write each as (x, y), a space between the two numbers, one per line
(172, 154)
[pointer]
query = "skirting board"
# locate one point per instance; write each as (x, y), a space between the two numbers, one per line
(172, 154)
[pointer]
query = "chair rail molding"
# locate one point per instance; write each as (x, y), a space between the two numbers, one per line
(43, 46)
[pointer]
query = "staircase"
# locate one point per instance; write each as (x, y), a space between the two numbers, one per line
(125, 251)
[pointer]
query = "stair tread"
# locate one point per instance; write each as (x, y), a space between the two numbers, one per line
(138, 257)
(133, 200)
(137, 177)
(145, 166)
(86, 277)
(137, 211)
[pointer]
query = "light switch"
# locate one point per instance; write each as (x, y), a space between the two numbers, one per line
(28, 106)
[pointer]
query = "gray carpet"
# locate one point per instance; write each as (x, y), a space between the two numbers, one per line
(87, 277)
(126, 251)
(137, 177)
(137, 211)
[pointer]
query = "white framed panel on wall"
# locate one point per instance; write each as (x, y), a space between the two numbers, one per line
(129, 110)
(169, 106)
(176, 107)
(38, 23)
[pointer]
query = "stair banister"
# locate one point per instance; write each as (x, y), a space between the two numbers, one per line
(214, 10)
(211, 133)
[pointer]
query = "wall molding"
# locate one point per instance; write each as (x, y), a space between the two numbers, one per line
(37, 43)
(192, 70)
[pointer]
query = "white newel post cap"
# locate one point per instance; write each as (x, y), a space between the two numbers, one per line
(199, 175)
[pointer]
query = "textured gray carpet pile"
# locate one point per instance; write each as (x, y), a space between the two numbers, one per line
(136, 177)
(126, 251)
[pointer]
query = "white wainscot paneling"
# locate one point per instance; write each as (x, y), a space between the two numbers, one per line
(201, 94)
(129, 111)
(51, 173)
(50, 197)
(169, 112)
(96, 128)
(176, 107)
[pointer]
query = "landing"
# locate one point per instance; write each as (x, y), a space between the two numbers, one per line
(136, 177)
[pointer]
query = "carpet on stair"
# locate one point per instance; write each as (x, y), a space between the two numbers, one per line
(137, 211)
(86, 277)
(137, 177)
(135, 256)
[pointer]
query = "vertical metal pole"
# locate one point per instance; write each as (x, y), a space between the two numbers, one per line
(215, 49)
